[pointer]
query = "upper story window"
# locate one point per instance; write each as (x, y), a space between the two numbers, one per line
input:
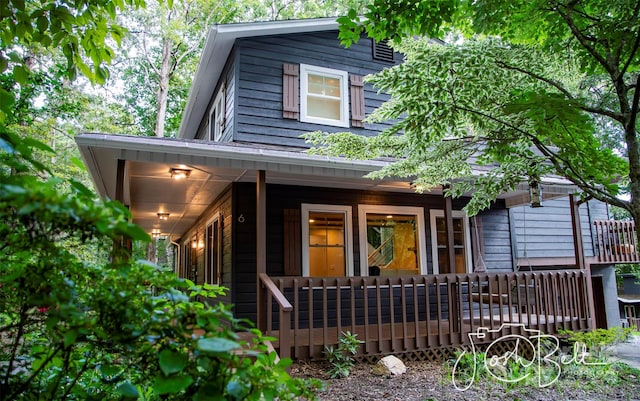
(324, 97)
(217, 116)
(461, 242)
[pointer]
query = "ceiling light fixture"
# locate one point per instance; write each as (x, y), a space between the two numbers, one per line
(179, 173)
(163, 216)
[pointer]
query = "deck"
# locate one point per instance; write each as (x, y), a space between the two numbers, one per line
(406, 314)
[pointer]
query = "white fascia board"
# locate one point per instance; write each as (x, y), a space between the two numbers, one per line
(215, 54)
(132, 144)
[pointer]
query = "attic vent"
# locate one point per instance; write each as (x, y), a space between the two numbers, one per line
(382, 51)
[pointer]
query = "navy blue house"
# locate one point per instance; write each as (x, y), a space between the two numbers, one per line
(308, 247)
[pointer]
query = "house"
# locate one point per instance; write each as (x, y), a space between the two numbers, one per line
(310, 248)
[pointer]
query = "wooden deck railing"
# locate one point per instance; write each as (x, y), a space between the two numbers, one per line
(269, 294)
(401, 314)
(616, 241)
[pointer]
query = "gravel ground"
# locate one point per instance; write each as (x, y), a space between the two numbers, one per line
(427, 381)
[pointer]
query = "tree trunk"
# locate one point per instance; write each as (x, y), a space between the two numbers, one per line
(163, 87)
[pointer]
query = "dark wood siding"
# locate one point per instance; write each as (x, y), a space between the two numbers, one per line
(222, 207)
(260, 83)
(546, 231)
(283, 199)
(496, 240)
(228, 78)
(244, 251)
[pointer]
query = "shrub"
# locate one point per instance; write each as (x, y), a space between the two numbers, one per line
(341, 358)
(79, 330)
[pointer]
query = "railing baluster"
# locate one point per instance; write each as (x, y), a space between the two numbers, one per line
(416, 311)
(379, 313)
(296, 318)
(310, 309)
(403, 303)
(367, 340)
(392, 315)
(325, 315)
(339, 306)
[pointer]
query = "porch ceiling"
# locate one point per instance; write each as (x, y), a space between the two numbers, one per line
(148, 188)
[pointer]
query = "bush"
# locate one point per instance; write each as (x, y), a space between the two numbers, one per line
(73, 329)
(341, 357)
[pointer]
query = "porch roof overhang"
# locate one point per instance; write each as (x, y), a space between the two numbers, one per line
(216, 51)
(148, 189)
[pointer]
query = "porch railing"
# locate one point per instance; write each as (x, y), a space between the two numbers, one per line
(402, 314)
(269, 294)
(616, 241)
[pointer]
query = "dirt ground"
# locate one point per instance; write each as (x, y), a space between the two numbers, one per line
(427, 381)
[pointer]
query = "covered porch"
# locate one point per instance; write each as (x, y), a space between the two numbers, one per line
(219, 217)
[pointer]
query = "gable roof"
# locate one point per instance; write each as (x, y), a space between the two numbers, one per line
(216, 51)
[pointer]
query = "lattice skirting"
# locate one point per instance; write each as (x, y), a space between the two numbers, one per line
(450, 353)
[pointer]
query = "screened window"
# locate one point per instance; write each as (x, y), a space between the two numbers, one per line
(324, 96)
(461, 242)
(394, 240)
(326, 238)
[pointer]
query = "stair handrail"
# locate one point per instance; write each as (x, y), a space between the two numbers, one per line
(284, 307)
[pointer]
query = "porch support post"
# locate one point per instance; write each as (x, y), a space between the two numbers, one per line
(451, 252)
(578, 246)
(261, 244)
(122, 246)
(448, 221)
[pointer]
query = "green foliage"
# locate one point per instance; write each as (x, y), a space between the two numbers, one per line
(341, 357)
(555, 94)
(598, 340)
(74, 329)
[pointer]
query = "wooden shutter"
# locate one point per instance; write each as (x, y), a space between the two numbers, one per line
(357, 100)
(292, 243)
(290, 73)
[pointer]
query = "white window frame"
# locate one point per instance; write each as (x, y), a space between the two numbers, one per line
(388, 209)
(217, 115)
(435, 213)
(348, 241)
(305, 69)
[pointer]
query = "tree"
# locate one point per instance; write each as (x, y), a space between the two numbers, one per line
(74, 328)
(166, 38)
(164, 42)
(537, 87)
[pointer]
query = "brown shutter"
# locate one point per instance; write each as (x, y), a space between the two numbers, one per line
(290, 73)
(357, 101)
(292, 243)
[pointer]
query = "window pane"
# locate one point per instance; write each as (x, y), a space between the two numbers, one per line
(458, 244)
(392, 244)
(327, 244)
(323, 107)
(322, 85)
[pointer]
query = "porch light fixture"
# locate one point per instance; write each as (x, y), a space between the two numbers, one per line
(194, 244)
(535, 193)
(163, 216)
(179, 173)
(155, 233)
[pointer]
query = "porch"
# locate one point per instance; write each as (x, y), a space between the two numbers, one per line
(416, 313)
